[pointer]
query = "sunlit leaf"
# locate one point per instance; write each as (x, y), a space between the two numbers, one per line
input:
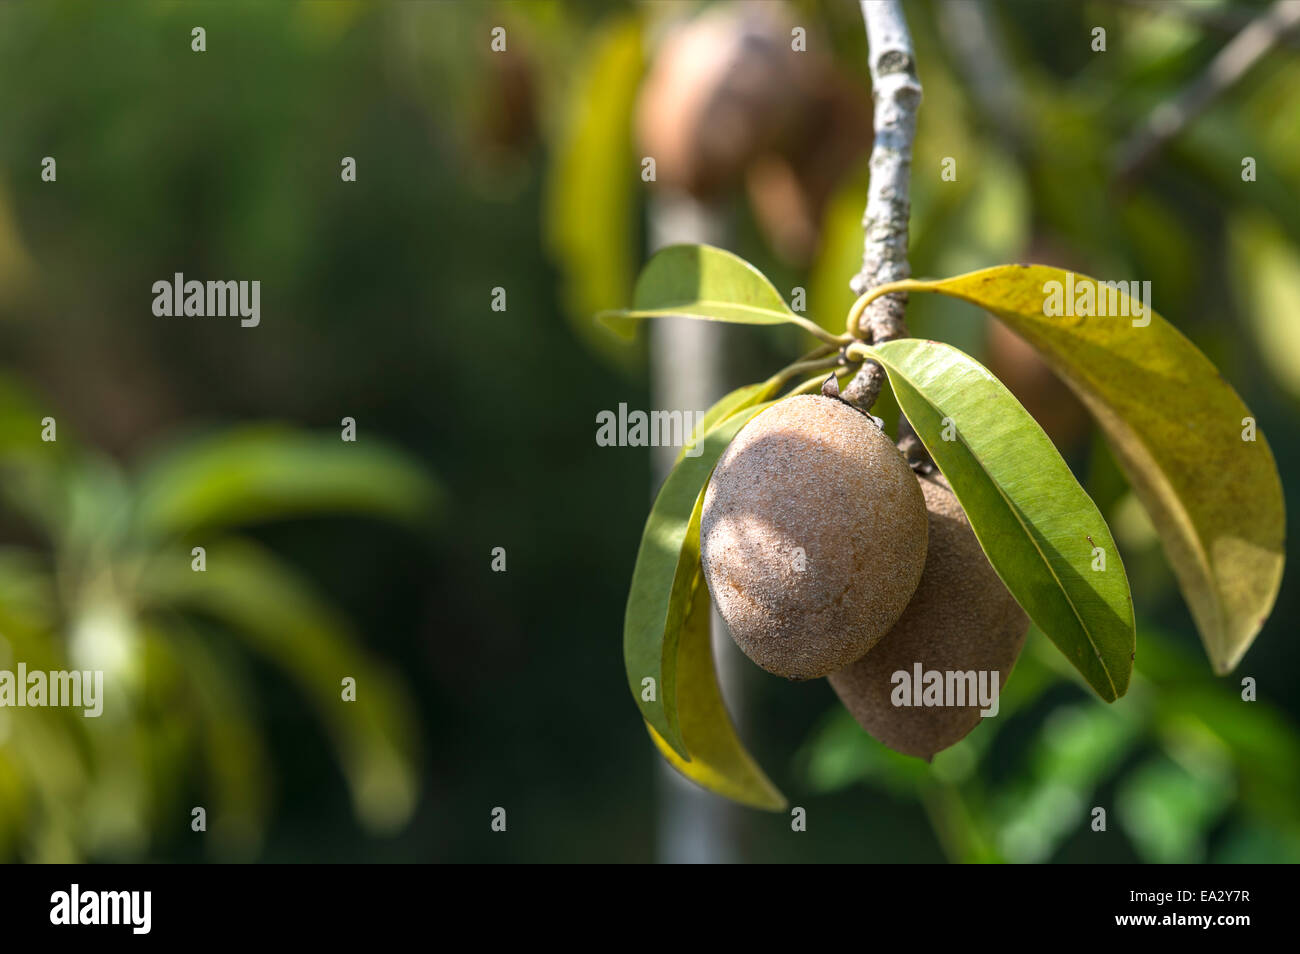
(662, 585)
(742, 398)
(593, 183)
(1039, 528)
(1177, 429)
(719, 761)
(1266, 270)
(700, 281)
(261, 473)
(1166, 810)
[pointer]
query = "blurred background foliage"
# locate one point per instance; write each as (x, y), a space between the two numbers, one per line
(522, 170)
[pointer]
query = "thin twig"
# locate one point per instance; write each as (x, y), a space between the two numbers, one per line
(896, 91)
(802, 367)
(897, 95)
(1227, 68)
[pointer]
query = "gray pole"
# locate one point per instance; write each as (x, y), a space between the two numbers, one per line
(688, 373)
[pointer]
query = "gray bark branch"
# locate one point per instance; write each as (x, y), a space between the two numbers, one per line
(896, 92)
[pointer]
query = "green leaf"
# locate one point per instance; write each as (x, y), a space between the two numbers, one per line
(839, 754)
(269, 607)
(1261, 741)
(591, 190)
(662, 582)
(265, 472)
(1037, 526)
(718, 760)
(1166, 809)
(700, 281)
(747, 396)
(1176, 427)
(1266, 278)
(237, 763)
(1077, 750)
(21, 414)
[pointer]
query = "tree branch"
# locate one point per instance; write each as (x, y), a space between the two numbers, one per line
(896, 91)
(1232, 63)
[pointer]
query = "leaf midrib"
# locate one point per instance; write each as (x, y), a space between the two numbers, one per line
(670, 308)
(1105, 413)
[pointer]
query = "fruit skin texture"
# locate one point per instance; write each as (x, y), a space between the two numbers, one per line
(961, 618)
(811, 473)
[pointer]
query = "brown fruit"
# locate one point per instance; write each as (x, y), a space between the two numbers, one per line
(729, 101)
(724, 88)
(812, 537)
(962, 618)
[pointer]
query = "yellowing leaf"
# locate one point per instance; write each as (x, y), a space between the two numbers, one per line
(1268, 268)
(1177, 429)
(16, 265)
(667, 563)
(719, 761)
(731, 403)
(591, 188)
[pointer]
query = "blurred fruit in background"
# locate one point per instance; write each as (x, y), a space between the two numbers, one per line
(741, 95)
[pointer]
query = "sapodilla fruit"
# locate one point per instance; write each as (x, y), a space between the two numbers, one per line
(961, 619)
(812, 536)
(724, 88)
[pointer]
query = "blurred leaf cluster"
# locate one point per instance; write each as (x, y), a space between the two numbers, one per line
(226, 164)
(108, 580)
(1185, 771)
